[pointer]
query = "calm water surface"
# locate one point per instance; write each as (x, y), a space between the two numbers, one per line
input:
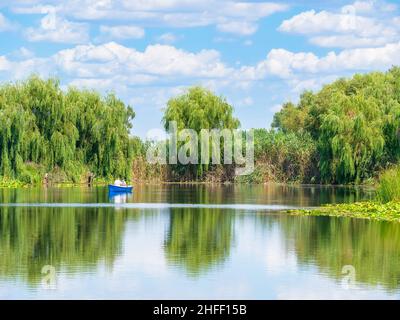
(177, 242)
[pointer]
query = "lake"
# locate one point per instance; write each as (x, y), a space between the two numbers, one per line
(192, 242)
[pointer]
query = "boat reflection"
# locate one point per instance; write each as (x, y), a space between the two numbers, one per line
(119, 197)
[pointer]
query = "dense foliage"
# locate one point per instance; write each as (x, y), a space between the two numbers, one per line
(44, 129)
(355, 123)
(345, 133)
(283, 157)
(198, 109)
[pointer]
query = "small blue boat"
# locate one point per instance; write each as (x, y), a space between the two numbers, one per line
(119, 189)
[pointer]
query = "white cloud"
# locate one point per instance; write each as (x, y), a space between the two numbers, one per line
(122, 32)
(25, 53)
(100, 83)
(4, 23)
(284, 63)
(348, 41)
(370, 6)
(275, 108)
(246, 102)
(57, 29)
(396, 21)
(161, 60)
(315, 82)
(20, 69)
(30, 7)
(167, 38)
(4, 63)
(360, 6)
(21, 54)
(173, 13)
(312, 22)
(347, 28)
(242, 28)
(124, 9)
(112, 64)
(281, 63)
(301, 71)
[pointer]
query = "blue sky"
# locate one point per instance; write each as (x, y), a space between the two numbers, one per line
(257, 54)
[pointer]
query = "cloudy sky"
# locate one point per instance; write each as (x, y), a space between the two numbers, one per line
(257, 54)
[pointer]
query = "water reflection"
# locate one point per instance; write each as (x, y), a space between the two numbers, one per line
(198, 240)
(371, 247)
(189, 250)
(31, 238)
(217, 194)
(119, 197)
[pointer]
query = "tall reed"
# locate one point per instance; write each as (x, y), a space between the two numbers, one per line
(389, 185)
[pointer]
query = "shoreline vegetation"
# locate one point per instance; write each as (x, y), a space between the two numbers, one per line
(347, 133)
(372, 210)
(385, 206)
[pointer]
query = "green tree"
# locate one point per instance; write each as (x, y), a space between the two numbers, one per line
(355, 123)
(197, 109)
(46, 129)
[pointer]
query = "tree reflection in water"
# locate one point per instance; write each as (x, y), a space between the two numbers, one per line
(329, 243)
(199, 239)
(195, 240)
(70, 237)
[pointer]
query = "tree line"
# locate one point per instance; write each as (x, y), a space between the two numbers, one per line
(347, 132)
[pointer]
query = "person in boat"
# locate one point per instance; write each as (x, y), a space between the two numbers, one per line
(118, 183)
(123, 183)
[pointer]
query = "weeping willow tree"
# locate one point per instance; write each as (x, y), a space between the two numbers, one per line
(43, 128)
(355, 123)
(198, 109)
(351, 142)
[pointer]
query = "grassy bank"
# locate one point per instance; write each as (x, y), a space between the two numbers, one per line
(11, 183)
(53, 179)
